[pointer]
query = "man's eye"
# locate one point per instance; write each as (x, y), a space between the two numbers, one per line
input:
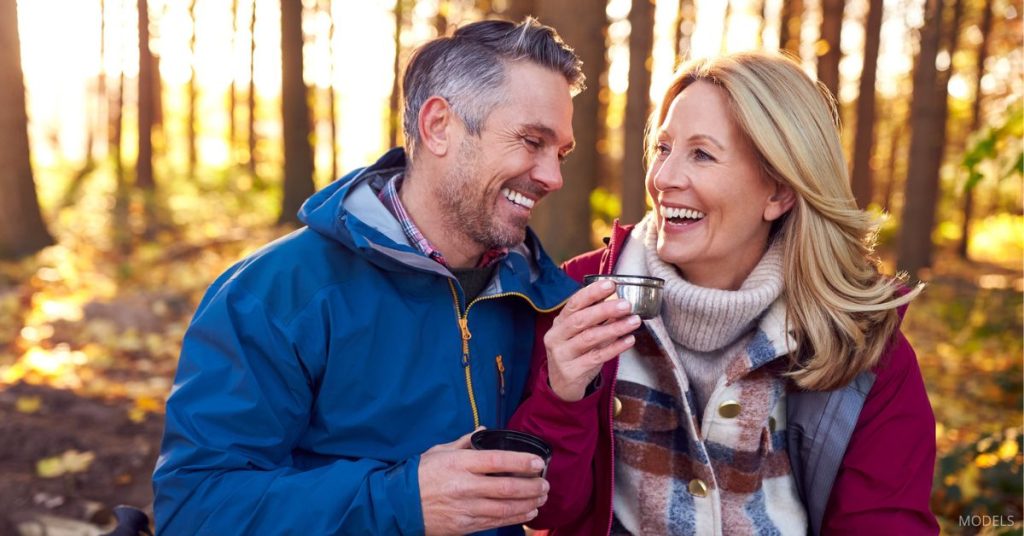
(532, 143)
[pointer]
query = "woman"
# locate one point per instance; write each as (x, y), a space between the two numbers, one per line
(775, 393)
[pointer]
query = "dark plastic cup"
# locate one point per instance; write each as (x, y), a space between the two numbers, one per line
(512, 440)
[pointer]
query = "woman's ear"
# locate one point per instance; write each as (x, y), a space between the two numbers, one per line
(780, 202)
(434, 121)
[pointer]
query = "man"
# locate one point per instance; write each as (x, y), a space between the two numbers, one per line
(328, 383)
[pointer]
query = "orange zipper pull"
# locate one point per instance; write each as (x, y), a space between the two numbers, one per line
(501, 373)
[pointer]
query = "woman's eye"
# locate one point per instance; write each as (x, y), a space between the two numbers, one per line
(663, 149)
(701, 154)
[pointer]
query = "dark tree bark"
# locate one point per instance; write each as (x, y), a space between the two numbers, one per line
(395, 114)
(641, 41)
(864, 141)
(986, 28)
(298, 154)
(251, 97)
(915, 240)
(790, 20)
(192, 157)
(22, 229)
(897, 135)
(563, 218)
(520, 9)
(441, 18)
(831, 33)
(144, 164)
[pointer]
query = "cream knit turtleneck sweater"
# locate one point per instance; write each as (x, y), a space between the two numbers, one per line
(708, 325)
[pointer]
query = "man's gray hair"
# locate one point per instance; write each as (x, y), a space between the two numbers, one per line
(469, 69)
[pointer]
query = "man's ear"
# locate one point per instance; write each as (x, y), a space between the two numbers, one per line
(780, 202)
(436, 118)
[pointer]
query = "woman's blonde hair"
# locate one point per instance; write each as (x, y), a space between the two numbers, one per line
(840, 309)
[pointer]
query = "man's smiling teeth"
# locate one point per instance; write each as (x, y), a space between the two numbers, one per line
(673, 213)
(517, 198)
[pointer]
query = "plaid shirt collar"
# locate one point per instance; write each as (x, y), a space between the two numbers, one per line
(389, 197)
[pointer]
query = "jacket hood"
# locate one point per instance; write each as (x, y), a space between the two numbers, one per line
(349, 212)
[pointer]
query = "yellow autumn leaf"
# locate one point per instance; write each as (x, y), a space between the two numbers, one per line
(28, 404)
(71, 461)
(1009, 449)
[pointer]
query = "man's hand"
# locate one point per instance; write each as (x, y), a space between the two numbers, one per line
(458, 497)
(587, 333)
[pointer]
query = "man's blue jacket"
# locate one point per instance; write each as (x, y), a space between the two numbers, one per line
(317, 369)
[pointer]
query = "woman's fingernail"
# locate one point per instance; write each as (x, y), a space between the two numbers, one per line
(607, 285)
(630, 340)
(623, 305)
(634, 320)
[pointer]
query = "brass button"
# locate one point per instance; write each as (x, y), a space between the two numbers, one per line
(698, 488)
(729, 409)
(617, 405)
(771, 424)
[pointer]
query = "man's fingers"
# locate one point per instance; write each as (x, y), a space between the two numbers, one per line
(484, 462)
(510, 487)
(460, 443)
(503, 509)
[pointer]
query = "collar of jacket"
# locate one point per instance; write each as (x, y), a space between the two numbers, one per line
(348, 212)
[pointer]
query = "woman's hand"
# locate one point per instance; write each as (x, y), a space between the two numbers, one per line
(587, 333)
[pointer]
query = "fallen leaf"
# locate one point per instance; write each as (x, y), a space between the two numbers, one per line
(71, 461)
(28, 404)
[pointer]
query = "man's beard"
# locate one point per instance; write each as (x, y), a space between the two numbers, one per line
(468, 209)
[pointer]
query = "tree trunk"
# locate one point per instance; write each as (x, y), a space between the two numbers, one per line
(395, 114)
(233, 88)
(686, 22)
(638, 103)
(520, 9)
(790, 21)
(192, 157)
(864, 141)
(897, 134)
(331, 96)
(563, 219)
(441, 18)
(298, 154)
(915, 241)
(831, 30)
(22, 230)
(144, 164)
(986, 28)
(251, 97)
(723, 45)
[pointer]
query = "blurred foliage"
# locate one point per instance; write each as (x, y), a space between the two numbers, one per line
(1000, 145)
(969, 344)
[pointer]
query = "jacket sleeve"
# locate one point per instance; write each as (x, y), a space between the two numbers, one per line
(571, 428)
(240, 403)
(885, 480)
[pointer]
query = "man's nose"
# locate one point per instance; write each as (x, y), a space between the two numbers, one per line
(548, 172)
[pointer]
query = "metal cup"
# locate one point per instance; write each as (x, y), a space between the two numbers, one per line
(642, 292)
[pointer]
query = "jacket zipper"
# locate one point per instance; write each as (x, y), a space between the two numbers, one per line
(501, 391)
(463, 319)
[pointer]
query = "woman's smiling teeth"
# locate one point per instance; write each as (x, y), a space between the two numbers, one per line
(677, 214)
(517, 198)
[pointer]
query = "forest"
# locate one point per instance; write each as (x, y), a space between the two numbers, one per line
(147, 145)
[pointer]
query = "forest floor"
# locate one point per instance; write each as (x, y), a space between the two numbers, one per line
(90, 333)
